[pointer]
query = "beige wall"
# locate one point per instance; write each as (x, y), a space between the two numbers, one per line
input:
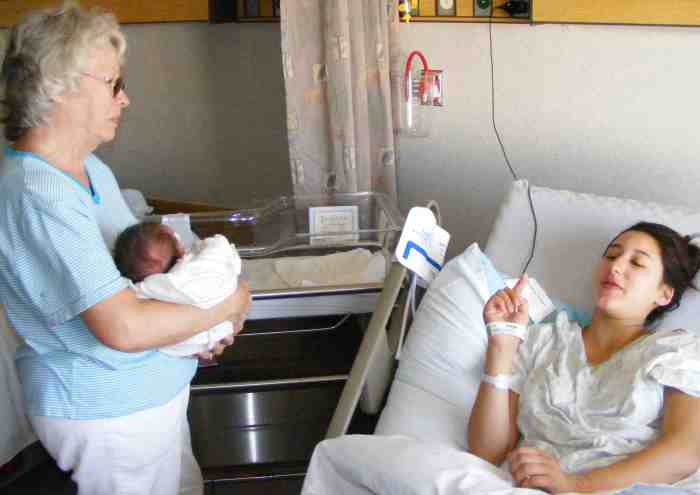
(606, 109)
(207, 117)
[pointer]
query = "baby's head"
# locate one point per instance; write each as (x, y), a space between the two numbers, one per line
(145, 249)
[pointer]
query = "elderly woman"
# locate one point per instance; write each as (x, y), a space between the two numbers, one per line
(103, 402)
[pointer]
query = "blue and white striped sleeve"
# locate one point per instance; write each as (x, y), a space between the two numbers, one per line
(63, 263)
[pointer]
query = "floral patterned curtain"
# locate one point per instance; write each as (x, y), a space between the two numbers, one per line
(337, 61)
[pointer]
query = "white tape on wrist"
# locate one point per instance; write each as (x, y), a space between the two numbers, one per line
(501, 382)
(507, 328)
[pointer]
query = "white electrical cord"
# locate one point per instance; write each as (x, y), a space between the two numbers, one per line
(435, 208)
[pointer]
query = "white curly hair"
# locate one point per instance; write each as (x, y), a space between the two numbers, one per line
(47, 52)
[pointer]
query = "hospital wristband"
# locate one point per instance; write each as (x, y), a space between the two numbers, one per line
(501, 382)
(506, 328)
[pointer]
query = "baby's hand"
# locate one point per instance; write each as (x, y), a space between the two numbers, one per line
(217, 349)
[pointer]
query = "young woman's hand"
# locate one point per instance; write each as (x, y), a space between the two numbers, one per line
(508, 305)
(532, 468)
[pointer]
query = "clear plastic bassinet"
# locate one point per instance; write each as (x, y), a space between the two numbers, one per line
(284, 229)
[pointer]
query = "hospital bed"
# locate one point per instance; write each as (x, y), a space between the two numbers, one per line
(440, 366)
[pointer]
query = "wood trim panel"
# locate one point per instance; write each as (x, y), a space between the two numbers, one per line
(427, 8)
(465, 8)
(127, 11)
(496, 19)
(167, 206)
(672, 12)
(265, 8)
(427, 12)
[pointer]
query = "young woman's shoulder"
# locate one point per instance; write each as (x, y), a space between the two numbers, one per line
(664, 340)
(672, 358)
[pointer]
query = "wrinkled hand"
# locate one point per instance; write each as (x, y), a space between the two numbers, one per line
(532, 468)
(240, 303)
(508, 305)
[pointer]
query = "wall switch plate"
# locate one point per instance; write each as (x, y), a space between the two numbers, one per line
(446, 7)
(483, 8)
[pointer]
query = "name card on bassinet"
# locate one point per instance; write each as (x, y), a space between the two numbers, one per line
(333, 224)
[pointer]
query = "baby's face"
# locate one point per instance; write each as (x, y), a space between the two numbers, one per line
(164, 252)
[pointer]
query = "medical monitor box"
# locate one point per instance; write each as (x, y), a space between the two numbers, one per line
(306, 226)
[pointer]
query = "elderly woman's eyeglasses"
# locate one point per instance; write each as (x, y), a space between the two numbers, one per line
(118, 85)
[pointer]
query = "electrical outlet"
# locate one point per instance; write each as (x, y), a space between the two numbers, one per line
(517, 8)
(483, 8)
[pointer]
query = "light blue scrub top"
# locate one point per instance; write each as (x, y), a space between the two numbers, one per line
(55, 262)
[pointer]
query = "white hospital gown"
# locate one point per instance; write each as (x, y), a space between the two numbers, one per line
(203, 277)
(589, 417)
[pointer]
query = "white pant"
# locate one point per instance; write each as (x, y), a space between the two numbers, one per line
(145, 453)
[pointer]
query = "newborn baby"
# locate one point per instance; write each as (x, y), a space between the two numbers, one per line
(153, 258)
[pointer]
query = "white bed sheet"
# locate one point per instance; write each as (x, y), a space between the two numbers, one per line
(357, 266)
(398, 465)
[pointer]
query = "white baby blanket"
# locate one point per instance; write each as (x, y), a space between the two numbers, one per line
(203, 277)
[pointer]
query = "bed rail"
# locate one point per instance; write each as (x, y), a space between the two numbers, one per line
(373, 367)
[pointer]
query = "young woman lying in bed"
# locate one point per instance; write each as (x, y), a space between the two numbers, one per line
(607, 405)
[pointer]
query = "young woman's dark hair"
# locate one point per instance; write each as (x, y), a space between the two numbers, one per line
(680, 258)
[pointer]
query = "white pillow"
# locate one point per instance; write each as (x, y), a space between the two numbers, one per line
(687, 314)
(443, 358)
